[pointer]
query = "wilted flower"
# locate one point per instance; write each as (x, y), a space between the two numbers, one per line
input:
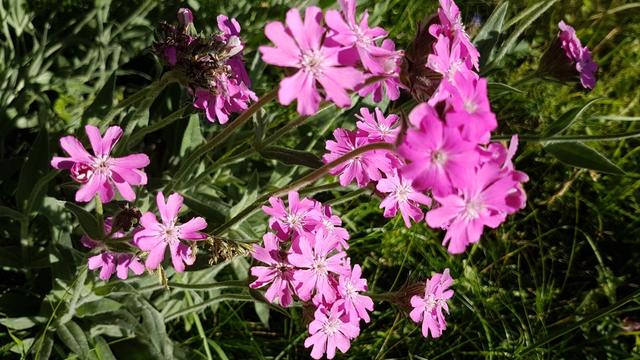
(567, 59)
(429, 308)
(100, 173)
(300, 45)
(155, 236)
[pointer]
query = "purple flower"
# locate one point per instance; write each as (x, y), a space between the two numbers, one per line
(485, 200)
(322, 219)
(451, 26)
(447, 60)
(359, 36)
(356, 305)
(278, 273)
(292, 220)
(439, 158)
(402, 196)
(429, 308)
(329, 330)
(300, 45)
(110, 262)
(100, 172)
(471, 108)
(155, 236)
(577, 54)
(362, 168)
(389, 74)
(380, 128)
(317, 258)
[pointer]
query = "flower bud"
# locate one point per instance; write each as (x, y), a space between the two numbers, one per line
(185, 17)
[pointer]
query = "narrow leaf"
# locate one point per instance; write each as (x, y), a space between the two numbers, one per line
(580, 155)
(74, 338)
(88, 222)
(490, 33)
(567, 119)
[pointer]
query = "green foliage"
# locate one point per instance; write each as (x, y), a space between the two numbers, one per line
(555, 281)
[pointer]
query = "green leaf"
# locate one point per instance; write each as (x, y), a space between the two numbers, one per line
(262, 310)
(489, 35)
(567, 119)
(74, 338)
(103, 102)
(291, 156)
(9, 212)
(34, 168)
(497, 88)
(580, 155)
(101, 306)
(89, 224)
(192, 135)
(102, 350)
(532, 14)
(22, 323)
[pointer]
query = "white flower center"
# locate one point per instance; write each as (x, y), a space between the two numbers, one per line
(430, 302)
(101, 165)
(328, 225)
(319, 266)
(295, 220)
(439, 157)
(312, 62)
(331, 326)
(472, 209)
(470, 106)
(350, 290)
(403, 191)
(170, 232)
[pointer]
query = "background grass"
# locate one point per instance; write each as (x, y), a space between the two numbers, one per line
(557, 280)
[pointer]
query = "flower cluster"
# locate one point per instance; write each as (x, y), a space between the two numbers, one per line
(304, 257)
(337, 51)
(446, 152)
(429, 308)
(212, 66)
(99, 174)
(567, 59)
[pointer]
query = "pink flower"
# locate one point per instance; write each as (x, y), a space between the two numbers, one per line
(300, 46)
(362, 168)
(278, 273)
(401, 195)
(485, 200)
(351, 34)
(330, 331)
(439, 158)
(577, 54)
(471, 108)
(317, 258)
(154, 236)
(356, 305)
(451, 26)
(429, 309)
(231, 96)
(322, 219)
(380, 128)
(291, 220)
(389, 83)
(110, 262)
(447, 60)
(100, 172)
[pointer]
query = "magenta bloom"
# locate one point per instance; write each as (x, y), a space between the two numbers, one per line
(439, 158)
(329, 330)
(300, 46)
(429, 309)
(154, 236)
(389, 83)
(100, 172)
(359, 36)
(278, 273)
(317, 259)
(110, 262)
(471, 109)
(577, 54)
(356, 305)
(363, 168)
(402, 196)
(485, 200)
(291, 220)
(231, 93)
(451, 26)
(323, 219)
(380, 128)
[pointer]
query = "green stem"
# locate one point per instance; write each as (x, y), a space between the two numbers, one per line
(572, 138)
(300, 183)
(100, 214)
(164, 122)
(219, 138)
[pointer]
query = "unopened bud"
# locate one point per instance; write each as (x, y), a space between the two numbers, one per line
(185, 17)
